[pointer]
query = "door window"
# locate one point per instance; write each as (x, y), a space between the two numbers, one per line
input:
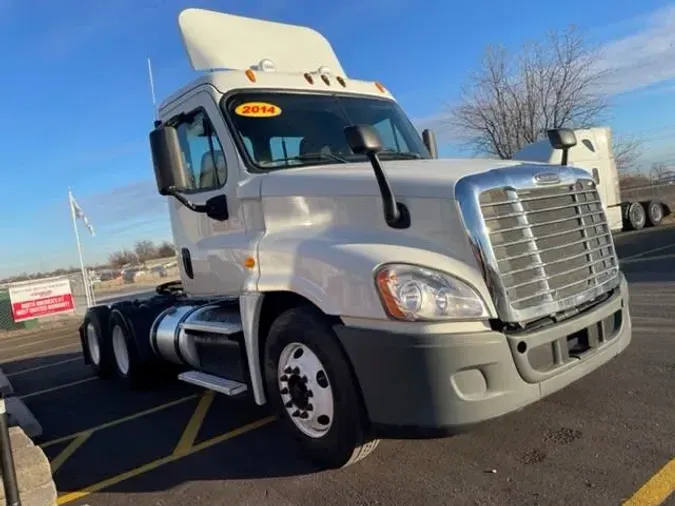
(203, 157)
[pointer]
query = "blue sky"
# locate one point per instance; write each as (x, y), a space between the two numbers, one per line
(75, 74)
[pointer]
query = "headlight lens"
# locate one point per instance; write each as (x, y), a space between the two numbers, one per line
(414, 293)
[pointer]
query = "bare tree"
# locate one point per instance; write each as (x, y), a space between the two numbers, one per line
(510, 102)
(166, 249)
(145, 250)
(627, 151)
(660, 172)
(120, 258)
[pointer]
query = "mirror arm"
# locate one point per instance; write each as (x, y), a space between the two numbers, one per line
(394, 215)
(197, 208)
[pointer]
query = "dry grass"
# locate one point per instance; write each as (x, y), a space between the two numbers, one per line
(46, 324)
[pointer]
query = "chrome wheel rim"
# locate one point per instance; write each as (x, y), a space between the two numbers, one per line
(306, 392)
(93, 344)
(657, 213)
(638, 216)
(120, 349)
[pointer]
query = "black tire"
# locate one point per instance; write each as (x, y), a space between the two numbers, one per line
(636, 216)
(348, 438)
(95, 338)
(143, 369)
(654, 213)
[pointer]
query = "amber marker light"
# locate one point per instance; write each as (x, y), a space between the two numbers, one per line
(251, 75)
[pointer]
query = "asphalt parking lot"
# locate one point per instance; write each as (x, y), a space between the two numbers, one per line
(608, 439)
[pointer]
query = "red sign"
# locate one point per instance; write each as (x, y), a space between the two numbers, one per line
(40, 299)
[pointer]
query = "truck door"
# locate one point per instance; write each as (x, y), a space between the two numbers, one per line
(594, 154)
(208, 249)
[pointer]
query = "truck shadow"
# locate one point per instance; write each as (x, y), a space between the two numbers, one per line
(224, 451)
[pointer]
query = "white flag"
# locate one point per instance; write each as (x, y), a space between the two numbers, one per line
(79, 214)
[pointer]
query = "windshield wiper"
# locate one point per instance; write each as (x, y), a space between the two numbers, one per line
(308, 157)
(404, 155)
(319, 156)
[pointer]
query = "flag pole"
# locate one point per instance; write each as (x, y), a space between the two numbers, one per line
(152, 89)
(85, 277)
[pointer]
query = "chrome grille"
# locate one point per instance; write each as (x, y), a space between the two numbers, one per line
(546, 249)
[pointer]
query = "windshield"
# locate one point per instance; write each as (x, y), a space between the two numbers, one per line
(282, 130)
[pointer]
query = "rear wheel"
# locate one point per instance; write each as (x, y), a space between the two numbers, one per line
(654, 213)
(134, 368)
(311, 385)
(96, 341)
(120, 350)
(636, 216)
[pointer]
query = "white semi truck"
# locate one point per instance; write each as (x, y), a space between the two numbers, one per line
(334, 268)
(593, 152)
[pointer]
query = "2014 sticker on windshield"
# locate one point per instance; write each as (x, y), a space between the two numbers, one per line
(257, 110)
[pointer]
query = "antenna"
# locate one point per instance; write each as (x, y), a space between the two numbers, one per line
(152, 90)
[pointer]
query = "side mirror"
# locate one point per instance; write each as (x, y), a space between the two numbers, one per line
(429, 139)
(562, 138)
(363, 139)
(167, 160)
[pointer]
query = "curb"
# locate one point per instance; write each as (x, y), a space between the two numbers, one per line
(5, 386)
(21, 416)
(33, 470)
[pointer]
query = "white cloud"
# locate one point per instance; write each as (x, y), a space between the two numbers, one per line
(642, 61)
(645, 57)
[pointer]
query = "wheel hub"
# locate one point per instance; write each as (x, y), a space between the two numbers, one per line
(305, 390)
(299, 392)
(638, 215)
(656, 213)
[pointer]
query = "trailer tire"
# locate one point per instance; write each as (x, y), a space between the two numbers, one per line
(654, 213)
(96, 344)
(636, 216)
(303, 353)
(134, 364)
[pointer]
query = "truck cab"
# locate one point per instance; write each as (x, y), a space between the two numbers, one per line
(594, 153)
(334, 268)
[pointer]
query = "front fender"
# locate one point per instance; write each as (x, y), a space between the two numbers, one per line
(337, 274)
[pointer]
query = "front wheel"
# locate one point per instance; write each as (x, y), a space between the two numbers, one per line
(311, 385)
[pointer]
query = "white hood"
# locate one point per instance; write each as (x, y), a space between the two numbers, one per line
(434, 178)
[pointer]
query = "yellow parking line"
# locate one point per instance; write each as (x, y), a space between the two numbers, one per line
(40, 367)
(58, 387)
(118, 421)
(191, 431)
(150, 466)
(69, 450)
(657, 489)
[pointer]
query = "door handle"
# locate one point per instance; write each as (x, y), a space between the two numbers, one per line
(187, 262)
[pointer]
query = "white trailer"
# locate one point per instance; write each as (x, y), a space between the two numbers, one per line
(593, 152)
(358, 303)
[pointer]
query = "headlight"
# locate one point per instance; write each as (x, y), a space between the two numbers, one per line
(414, 293)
